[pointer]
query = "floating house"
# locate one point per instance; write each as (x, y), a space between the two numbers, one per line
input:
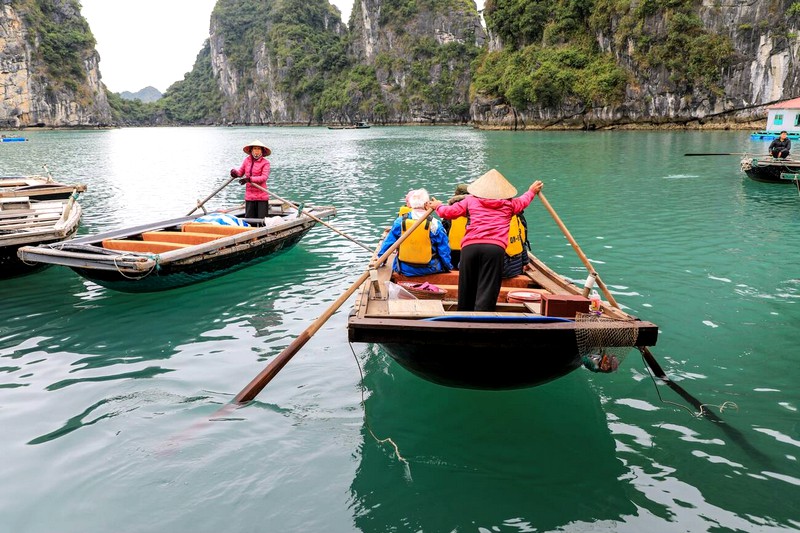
(784, 116)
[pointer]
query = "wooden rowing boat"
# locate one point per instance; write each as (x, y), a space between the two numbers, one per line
(37, 187)
(768, 169)
(522, 344)
(34, 211)
(177, 252)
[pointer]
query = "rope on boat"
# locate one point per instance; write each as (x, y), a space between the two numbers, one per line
(154, 257)
(402, 459)
(703, 407)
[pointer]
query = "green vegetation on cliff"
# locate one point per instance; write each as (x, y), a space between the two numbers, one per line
(298, 32)
(551, 53)
(666, 34)
(549, 56)
(60, 41)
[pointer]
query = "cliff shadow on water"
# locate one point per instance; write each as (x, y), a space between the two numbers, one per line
(537, 458)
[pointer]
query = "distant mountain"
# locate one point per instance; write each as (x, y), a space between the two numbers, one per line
(148, 94)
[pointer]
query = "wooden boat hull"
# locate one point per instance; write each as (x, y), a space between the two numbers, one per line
(769, 170)
(135, 259)
(175, 275)
(515, 347)
(54, 223)
(474, 355)
(37, 188)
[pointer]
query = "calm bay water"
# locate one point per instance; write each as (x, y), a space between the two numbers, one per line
(103, 394)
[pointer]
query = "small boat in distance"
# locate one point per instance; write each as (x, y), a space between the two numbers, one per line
(34, 210)
(12, 139)
(541, 330)
(177, 252)
(768, 169)
(356, 126)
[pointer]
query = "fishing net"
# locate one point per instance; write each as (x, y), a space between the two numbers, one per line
(603, 342)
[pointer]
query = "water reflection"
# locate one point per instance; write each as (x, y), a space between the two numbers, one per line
(534, 460)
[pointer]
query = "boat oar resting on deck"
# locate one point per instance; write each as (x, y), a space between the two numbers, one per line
(177, 252)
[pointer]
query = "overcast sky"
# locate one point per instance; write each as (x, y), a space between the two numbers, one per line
(156, 42)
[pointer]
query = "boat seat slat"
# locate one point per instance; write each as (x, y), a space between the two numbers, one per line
(153, 247)
(202, 227)
(415, 308)
(181, 237)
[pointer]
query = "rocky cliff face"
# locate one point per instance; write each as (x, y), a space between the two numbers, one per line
(421, 52)
(260, 80)
(763, 68)
(29, 94)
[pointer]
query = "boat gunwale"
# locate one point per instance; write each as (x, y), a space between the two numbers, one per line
(136, 262)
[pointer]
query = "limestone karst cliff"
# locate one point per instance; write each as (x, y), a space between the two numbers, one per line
(610, 63)
(48, 66)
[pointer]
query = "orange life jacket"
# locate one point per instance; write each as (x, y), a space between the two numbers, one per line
(417, 249)
(516, 237)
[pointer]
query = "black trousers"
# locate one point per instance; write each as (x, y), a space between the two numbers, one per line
(479, 277)
(783, 154)
(255, 208)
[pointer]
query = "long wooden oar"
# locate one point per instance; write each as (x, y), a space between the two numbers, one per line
(578, 250)
(210, 196)
(650, 359)
(718, 153)
(316, 219)
(275, 366)
(648, 356)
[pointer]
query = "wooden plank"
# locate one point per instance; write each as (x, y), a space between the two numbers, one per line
(201, 227)
(181, 237)
(414, 308)
(28, 223)
(151, 247)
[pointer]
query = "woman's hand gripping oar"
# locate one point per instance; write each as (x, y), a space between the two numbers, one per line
(275, 366)
(316, 219)
(210, 196)
(650, 359)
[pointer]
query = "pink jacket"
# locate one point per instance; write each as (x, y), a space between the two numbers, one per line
(488, 219)
(258, 172)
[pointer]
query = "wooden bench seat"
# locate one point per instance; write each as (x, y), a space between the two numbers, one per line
(181, 237)
(202, 227)
(151, 247)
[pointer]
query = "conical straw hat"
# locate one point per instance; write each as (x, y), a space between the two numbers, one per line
(249, 147)
(493, 186)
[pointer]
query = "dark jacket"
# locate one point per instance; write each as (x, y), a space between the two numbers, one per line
(780, 145)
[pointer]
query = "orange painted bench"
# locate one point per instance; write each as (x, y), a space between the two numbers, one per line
(152, 247)
(180, 237)
(200, 227)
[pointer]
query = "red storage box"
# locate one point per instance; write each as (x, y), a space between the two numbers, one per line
(564, 305)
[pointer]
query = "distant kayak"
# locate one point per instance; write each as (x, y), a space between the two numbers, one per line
(12, 139)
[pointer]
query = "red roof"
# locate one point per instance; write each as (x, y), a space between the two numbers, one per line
(794, 103)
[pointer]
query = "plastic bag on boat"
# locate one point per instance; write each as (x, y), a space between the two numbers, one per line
(396, 292)
(222, 219)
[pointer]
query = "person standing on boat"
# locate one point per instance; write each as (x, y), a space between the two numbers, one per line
(779, 148)
(254, 170)
(490, 205)
(426, 251)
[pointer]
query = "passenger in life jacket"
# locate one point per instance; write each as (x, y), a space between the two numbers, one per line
(426, 251)
(457, 227)
(490, 205)
(518, 246)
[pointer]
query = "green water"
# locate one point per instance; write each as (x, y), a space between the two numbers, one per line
(105, 397)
